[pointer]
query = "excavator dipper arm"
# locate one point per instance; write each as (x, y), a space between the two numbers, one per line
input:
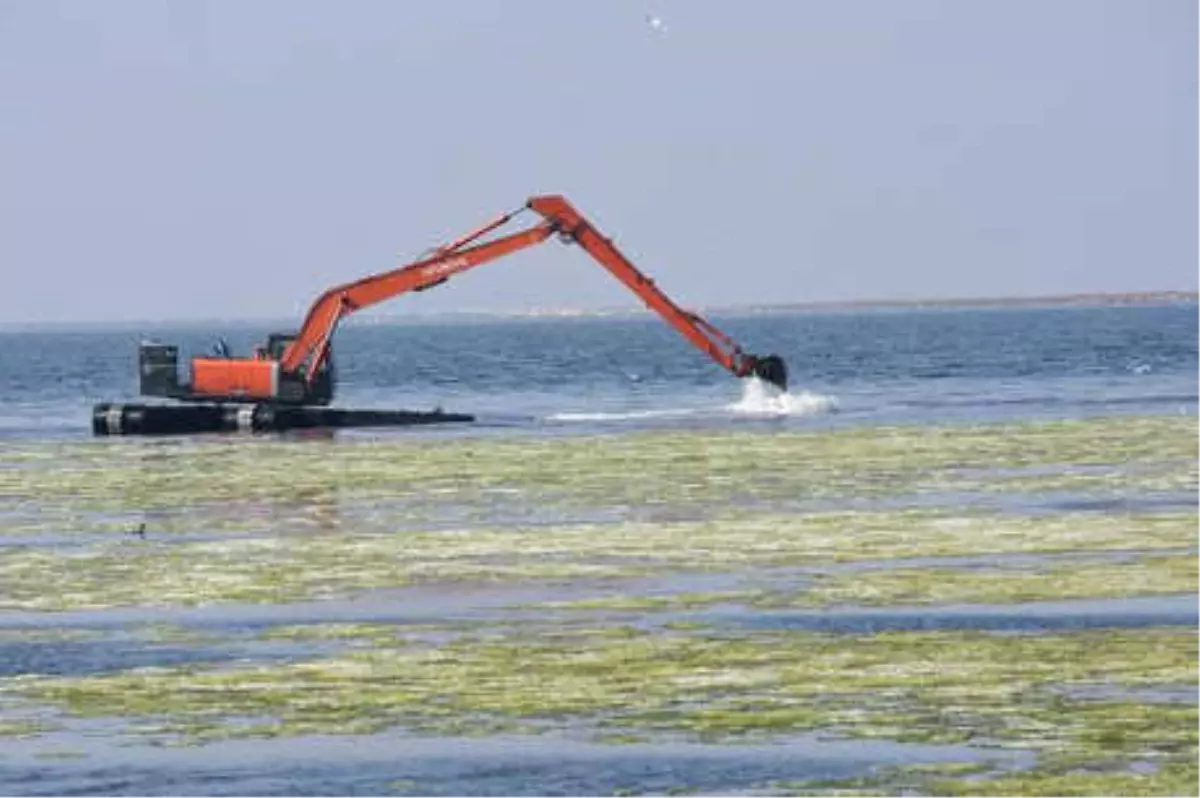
(311, 344)
(719, 346)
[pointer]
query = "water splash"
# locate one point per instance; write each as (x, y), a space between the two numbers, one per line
(761, 398)
(626, 416)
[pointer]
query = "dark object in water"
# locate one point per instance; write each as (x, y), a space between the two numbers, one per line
(772, 369)
(164, 419)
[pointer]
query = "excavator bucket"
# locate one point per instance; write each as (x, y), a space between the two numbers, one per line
(772, 369)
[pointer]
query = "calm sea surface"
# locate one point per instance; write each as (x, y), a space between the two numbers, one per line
(600, 374)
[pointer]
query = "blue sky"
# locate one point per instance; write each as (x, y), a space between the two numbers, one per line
(231, 160)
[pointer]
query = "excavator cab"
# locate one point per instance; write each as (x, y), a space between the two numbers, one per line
(295, 388)
(277, 344)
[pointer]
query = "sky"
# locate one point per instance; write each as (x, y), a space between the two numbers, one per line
(231, 160)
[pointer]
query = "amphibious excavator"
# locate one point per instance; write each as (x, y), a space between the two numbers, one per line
(297, 369)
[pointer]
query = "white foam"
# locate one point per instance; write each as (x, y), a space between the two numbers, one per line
(636, 414)
(758, 399)
(763, 399)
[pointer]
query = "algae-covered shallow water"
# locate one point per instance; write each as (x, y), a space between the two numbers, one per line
(986, 601)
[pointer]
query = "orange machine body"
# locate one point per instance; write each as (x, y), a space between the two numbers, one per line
(235, 378)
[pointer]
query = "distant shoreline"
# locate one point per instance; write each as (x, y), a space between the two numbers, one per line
(819, 306)
(1058, 300)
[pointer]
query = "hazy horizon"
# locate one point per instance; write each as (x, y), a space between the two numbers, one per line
(207, 160)
(384, 316)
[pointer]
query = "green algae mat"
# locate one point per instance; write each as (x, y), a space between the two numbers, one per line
(1023, 594)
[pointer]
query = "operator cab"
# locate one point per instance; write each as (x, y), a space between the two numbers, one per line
(292, 389)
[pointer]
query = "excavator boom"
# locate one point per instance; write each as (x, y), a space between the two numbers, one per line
(331, 307)
(293, 376)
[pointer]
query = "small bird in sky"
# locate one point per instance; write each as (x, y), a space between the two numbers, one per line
(655, 23)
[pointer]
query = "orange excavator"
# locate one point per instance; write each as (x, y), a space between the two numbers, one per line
(297, 369)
